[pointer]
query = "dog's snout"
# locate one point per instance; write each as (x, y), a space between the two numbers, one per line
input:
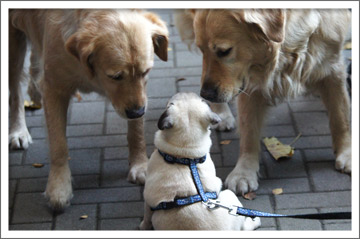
(209, 92)
(135, 112)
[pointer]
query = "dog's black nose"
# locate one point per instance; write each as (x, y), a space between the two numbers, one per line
(209, 93)
(135, 112)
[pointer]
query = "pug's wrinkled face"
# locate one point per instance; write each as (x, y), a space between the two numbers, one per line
(187, 112)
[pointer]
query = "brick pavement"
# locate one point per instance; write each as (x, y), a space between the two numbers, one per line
(97, 143)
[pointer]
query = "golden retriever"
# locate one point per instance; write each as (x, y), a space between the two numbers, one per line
(106, 51)
(266, 56)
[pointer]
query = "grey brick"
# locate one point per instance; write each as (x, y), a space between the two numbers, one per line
(31, 226)
(35, 121)
(223, 172)
(84, 130)
(70, 220)
(229, 135)
(261, 203)
(31, 208)
(284, 168)
(338, 227)
(190, 81)
(175, 72)
(315, 123)
(157, 103)
(114, 124)
(230, 153)
(87, 112)
(216, 158)
(326, 178)
(97, 141)
(84, 154)
(278, 131)
(215, 148)
(28, 171)
(114, 173)
(307, 106)
(32, 185)
(278, 115)
(85, 162)
(164, 64)
(187, 58)
(336, 209)
(38, 132)
(86, 181)
(15, 157)
(311, 200)
(261, 228)
(195, 89)
(306, 98)
(161, 87)
(306, 142)
(181, 47)
(154, 115)
(38, 152)
(106, 195)
(89, 97)
(289, 185)
(12, 190)
(312, 155)
(298, 224)
(122, 210)
(120, 224)
(116, 153)
(150, 129)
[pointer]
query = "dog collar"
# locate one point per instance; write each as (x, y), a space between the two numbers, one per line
(202, 196)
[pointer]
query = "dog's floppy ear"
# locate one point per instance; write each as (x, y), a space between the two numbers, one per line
(213, 118)
(160, 35)
(82, 48)
(270, 21)
(165, 121)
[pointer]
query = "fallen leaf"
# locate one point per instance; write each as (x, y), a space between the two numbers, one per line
(347, 46)
(38, 165)
(180, 79)
(249, 195)
(31, 105)
(78, 96)
(84, 217)
(277, 191)
(225, 142)
(169, 49)
(277, 149)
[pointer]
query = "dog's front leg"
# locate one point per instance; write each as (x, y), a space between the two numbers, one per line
(146, 223)
(137, 151)
(58, 189)
(252, 110)
(227, 122)
(336, 100)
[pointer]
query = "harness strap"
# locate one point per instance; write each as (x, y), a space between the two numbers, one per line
(196, 177)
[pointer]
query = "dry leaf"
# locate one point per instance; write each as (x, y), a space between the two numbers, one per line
(249, 195)
(169, 49)
(225, 142)
(84, 217)
(38, 165)
(277, 149)
(180, 79)
(31, 105)
(347, 46)
(277, 191)
(78, 96)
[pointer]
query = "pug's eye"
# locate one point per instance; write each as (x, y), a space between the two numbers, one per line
(222, 53)
(118, 76)
(145, 72)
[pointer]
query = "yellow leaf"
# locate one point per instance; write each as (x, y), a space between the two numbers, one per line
(249, 195)
(38, 165)
(277, 191)
(277, 149)
(78, 96)
(347, 46)
(169, 49)
(84, 217)
(31, 105)
(225, 142)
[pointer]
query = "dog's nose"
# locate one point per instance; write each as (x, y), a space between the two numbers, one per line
(209, 93)
(135, 112)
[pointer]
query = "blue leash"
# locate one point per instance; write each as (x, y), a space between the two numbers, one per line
(208, 197)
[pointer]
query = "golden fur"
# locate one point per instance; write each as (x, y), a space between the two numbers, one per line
(269, 56)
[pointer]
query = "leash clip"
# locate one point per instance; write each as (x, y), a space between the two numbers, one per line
(214, 204)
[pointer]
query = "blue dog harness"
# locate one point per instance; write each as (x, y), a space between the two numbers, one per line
(202, 196)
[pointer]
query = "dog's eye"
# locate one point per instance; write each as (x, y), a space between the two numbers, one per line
(117, 76)
(221, 53)
(145, 72)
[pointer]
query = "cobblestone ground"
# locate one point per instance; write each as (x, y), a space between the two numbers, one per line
(98, 148)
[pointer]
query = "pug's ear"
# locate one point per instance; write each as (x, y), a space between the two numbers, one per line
(213, 118)
(165, 121)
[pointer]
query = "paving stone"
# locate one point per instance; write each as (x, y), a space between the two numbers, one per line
(87, 113)
(103, 195)
(150, 128)
(122, 210)
(163, 64)
(157, 103)
(307, 142)
(181, 47)
(190, 81)
(175, 72)
(338, 226)
(15, 157)
(84, 130)
(90, 97)
(311, 200)
(35, 121)
(261, 203)
(314, 123)
(38, 133)
(278, 115)
(31, 226)
(116, 153)
(278, 131)
(114, 124)
(12, 189)
(71, 219)
(261, 228)
(216, 158)
(86, 181)
(32, 185)
(230, 152)
(38, 152)
(97, 141)
(298, 224)
(84, 162)
(195, 89)
(31, 208)
(307, 106)
(326, 178)
(306, 98)
(186, 58)
(313, 155)
(114, 173)
(284, 168)
(28, 171)
(154, 115)
(120, 224)
(336, 209)
(161, 87)
(289, 185)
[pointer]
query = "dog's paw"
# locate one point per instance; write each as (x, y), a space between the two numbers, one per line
(137, 173)
(227, 123)
(343, 161)
(20, 138)
(59, 188)
(242, 181)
